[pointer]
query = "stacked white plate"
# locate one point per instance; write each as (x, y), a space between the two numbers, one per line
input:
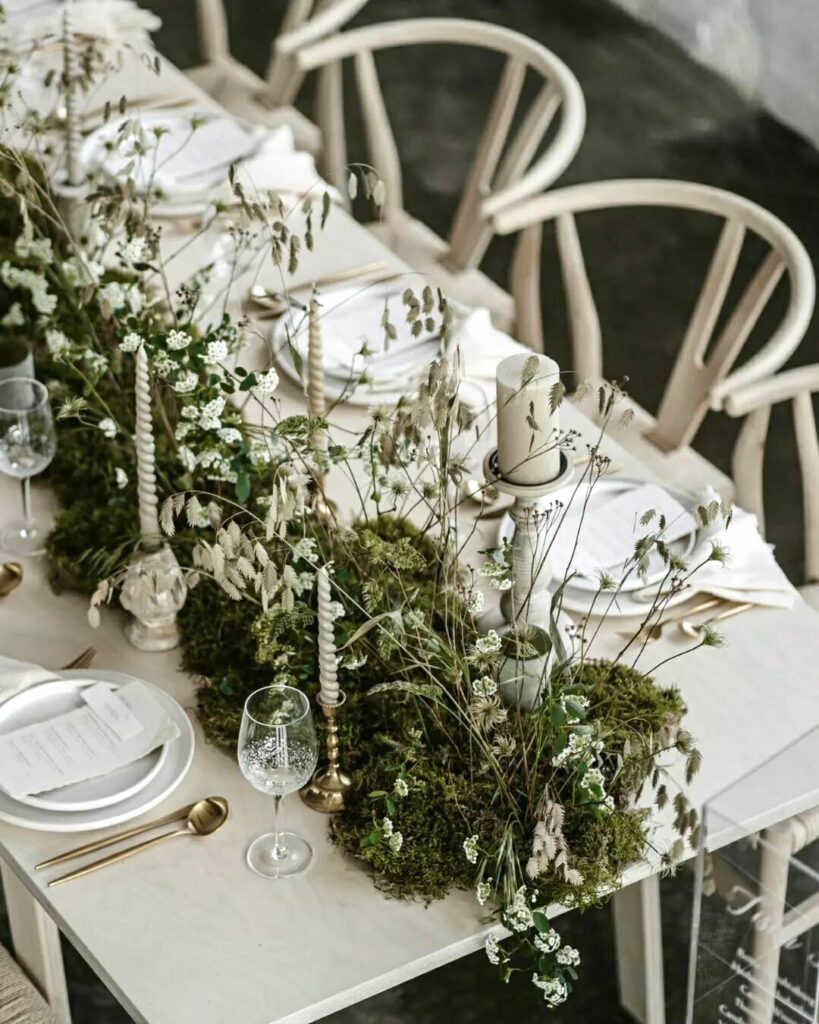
(351, 320)
(636, 594)
(108, 799)
(162, 150)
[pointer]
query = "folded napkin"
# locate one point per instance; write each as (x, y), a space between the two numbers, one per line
(18, 675)
(751, 575)
(277, 166)
(102, 19)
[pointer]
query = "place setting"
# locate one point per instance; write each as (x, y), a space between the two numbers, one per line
(86, 749)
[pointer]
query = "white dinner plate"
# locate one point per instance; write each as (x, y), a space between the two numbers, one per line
(353, 314)
(171, 773)
(578, 593)
(48, 700)
(190, 188)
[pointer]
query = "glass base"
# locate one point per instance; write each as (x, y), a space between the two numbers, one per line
(293, 855)
(23, 539)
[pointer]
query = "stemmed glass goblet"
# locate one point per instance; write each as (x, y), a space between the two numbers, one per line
(28, 442)
(277, 754)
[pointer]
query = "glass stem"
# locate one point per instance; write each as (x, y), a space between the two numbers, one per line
(278, 850)
(25, 485)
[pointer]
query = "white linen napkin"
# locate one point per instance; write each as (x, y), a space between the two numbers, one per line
(751, 574)
(102, 19)
(277, 166)
(19, 675)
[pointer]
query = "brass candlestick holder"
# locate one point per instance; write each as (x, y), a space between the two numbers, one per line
(326, 790)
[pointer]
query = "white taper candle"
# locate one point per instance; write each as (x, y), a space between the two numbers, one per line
(146, 459)
(72, 121)
(327, 659)
(527, 427)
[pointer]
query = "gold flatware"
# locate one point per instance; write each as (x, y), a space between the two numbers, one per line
(11, 576)
(656, 631)
(276, 302)
(83, 660)
(203, 819)
(118, 837)
(693, 629)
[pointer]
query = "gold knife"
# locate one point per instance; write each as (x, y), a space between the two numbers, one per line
(101, 844)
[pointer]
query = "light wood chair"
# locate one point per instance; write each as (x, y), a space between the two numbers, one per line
(244, 93)
(754, 402)
(20, 1002)
(507, 168)
(703, 373)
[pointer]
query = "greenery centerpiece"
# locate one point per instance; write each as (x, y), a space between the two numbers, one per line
(530, 804)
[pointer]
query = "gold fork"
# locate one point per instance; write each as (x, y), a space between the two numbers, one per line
(83, 660)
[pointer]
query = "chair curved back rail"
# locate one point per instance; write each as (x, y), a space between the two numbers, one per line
(304, 23)
(702, 375)
(754, 402)
(505, 170)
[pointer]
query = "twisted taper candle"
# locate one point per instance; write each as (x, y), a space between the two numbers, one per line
(328, 661)
(146, 468)
(316, 398)
(73, 137)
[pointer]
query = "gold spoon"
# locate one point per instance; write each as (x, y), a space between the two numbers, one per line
(656, 631)
(693, 629)
(205, 817)
(11, 576)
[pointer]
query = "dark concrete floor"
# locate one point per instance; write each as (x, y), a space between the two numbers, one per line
(651, 112)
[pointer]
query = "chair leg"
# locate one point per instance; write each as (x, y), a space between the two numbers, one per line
(639, 947)
(36, 941)
(774, 860)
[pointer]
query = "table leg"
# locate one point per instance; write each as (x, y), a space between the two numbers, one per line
(36, 941)
(639, 948)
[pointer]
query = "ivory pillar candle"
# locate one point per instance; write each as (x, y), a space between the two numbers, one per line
(327, 659)
(527, 427)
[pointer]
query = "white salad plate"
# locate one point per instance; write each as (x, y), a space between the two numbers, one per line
(350, 318)
(637, 593)
(45, 701)
(171, 770)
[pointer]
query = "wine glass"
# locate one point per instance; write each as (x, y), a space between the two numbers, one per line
(277, 754)
(28, 442)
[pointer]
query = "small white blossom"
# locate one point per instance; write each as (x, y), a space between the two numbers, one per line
(483, 891)
(131, 342)
(547, 942)
(593, 777)
(177, 340)
(230, 435)
(58, 343)
(336, 609)
(121, 477)
(216, 352)
(267, 382)
(484, 687)
(187, 458)
(133, 251)
(210, 413)
(518, 914)
(475, 601)
(568, 956)
(471, 849)
(39, 249)
(108, 427)
(14, 317)
(306, 548)
(185, 382)
(401, 788)
(396, 841)
(386, 826)
(492, 950)
(95, 360)
(489, 644)
(114, 294)
(163, 364)
(555, 990)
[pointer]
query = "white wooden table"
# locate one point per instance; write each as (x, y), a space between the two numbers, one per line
(188, 935)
